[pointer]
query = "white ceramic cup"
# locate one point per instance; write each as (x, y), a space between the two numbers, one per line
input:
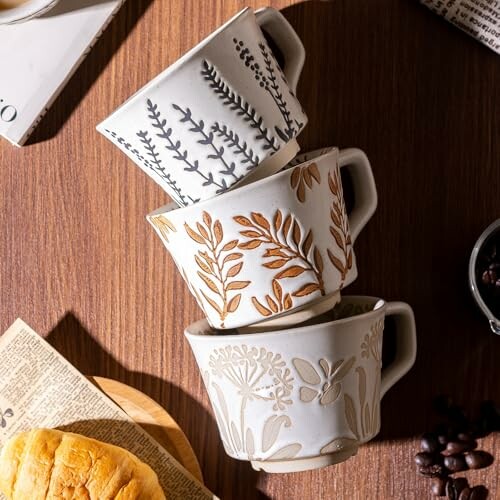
(222, 114)
(306, 397)
(280, 245)
(26, 11)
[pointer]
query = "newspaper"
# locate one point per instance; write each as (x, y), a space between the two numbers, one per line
(39, 388)
(478, 18)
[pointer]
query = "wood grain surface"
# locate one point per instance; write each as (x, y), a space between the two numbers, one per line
(79, 263)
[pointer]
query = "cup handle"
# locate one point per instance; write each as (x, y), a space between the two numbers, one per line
(280, 30)
(365, 191)
(406, 349)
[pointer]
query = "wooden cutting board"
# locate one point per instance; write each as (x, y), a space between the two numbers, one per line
(154, 419)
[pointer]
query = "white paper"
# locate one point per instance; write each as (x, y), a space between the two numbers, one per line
(478, 18)
(41, 389)
(39, 56)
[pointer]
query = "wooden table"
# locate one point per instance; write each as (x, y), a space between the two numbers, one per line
(79, 263)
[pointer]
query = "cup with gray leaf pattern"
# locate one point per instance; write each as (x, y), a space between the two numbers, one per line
(223, 115)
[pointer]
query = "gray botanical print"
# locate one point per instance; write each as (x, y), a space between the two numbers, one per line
(237, 104)
(154, 163)
(267, 78)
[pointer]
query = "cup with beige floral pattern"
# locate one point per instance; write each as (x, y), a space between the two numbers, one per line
(306, 397)
(224, 114)
(274, 247)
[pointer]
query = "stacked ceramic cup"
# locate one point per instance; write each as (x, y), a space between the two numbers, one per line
(264, 242)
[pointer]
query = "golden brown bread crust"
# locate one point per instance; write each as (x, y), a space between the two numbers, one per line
(46, 464)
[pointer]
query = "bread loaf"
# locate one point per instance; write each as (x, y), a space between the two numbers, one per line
(45, 464)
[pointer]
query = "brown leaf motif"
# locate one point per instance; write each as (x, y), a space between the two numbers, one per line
(164, 226)
(289, 251)
(327, 379)
(280, 302)
(302, 178)
(340, 227)
(217, 266)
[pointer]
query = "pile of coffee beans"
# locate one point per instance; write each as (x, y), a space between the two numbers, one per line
(452, 448)
(488, 273)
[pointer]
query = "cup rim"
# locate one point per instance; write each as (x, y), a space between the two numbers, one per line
(379, 305)
(23, 11)
(175, 65)
(489, 231)
(239, 191)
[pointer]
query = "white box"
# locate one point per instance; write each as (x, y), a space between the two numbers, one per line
(38, 57)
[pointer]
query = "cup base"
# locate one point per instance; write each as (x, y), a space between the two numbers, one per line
(307, 312)
(272, 164)
(303, 464)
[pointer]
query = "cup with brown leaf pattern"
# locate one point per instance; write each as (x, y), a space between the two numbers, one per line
(308, 396)
(224, 114)
(274, 248)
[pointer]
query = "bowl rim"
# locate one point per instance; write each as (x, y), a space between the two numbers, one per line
(485, 235)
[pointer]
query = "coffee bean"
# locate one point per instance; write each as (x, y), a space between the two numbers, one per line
(460, 484)
(442, 440)
(468, 439)
(489, 277)
(425, 459)
(455, 463)
(465, 437)
(479, 493)
(478, 459)
(451, 491)
(455, 448)
(429, 443)
(465, 494)
(438, 487)
(435, 470)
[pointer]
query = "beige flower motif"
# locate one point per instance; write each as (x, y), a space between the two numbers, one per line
(372, 343)
(256, 373)
(328, 385)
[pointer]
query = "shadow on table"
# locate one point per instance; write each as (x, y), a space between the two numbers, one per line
(374, 78)
(92, 66)
(76, 344)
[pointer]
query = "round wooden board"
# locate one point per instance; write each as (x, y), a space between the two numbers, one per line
(154, 419)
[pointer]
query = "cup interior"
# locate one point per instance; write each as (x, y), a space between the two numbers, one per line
(347, 308)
